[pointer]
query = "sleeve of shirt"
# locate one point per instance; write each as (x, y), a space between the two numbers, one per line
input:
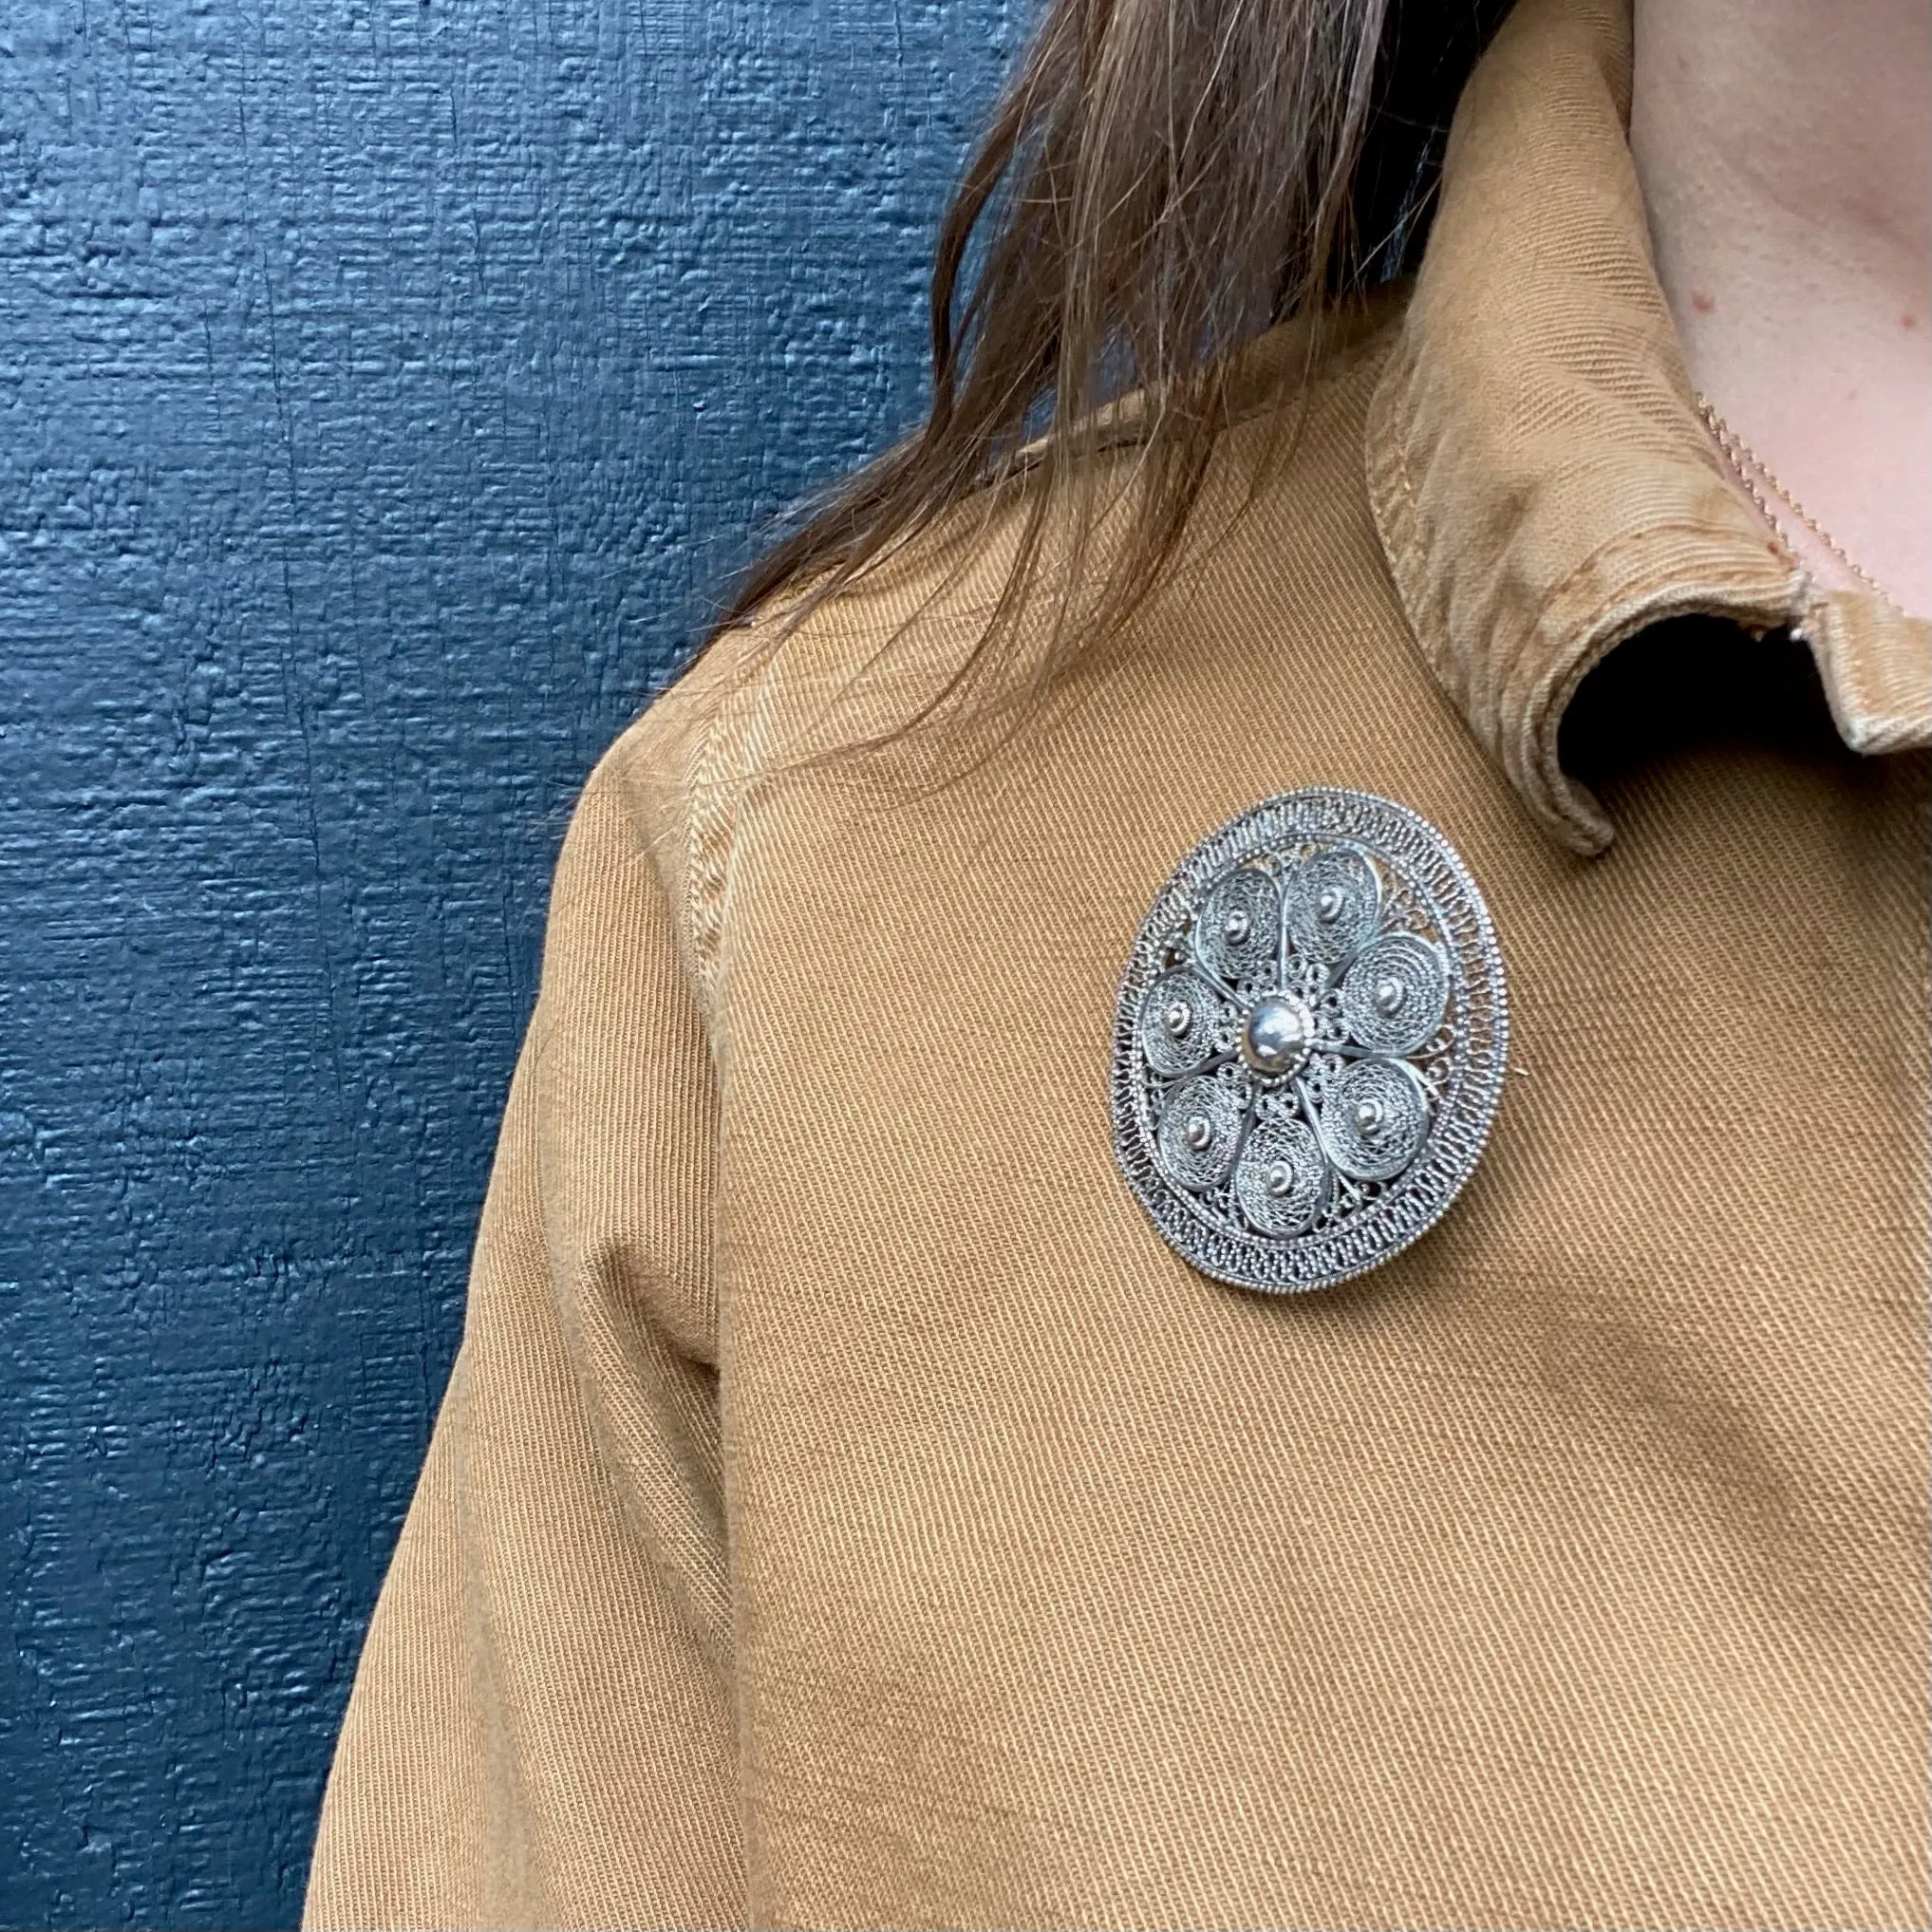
(540, 1730)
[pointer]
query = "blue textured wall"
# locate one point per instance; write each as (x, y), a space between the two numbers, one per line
(385, 385)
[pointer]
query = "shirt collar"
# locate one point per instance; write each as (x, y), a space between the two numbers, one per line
(1543, 484)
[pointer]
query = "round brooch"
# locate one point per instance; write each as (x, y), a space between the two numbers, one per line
(1310, 1042)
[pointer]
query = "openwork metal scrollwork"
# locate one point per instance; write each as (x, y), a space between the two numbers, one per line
(1310, 1042)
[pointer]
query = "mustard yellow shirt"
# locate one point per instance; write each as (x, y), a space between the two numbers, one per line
(847, 1512)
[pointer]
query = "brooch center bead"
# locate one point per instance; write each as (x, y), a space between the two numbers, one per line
(1309, 1042)
(1277, 1033)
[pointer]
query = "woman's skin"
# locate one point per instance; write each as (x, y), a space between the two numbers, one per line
(1784, 151)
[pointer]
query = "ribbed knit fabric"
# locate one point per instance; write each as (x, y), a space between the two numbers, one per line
(846, 1511)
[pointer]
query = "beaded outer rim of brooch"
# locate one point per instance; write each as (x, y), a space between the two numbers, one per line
(1310, 1042)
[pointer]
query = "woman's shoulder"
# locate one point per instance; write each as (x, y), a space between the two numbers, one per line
(826, 700)
(801, 677)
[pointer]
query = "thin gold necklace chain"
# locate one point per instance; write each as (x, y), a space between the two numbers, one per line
(1759, 478)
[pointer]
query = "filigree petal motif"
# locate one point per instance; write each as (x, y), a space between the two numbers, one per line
(1394, 994)
(1239, 932)
(1332, 903)
(1374, 1116)
(1282, 1180)
(1200, 1130)
(1179, 1021)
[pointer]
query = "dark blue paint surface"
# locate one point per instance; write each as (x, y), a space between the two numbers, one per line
(384, 387)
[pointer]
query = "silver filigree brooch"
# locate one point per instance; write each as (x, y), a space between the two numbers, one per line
(1310, 1042)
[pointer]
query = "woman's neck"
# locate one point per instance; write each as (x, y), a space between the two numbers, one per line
(1785, 152)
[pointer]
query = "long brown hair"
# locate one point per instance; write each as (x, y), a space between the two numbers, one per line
(1161, 182)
